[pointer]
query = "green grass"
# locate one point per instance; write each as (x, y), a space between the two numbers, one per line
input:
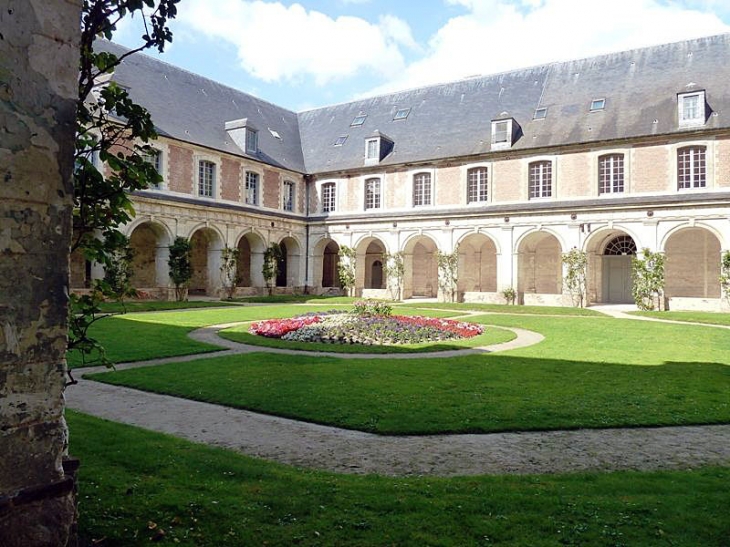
(297, 299)
(134, 483)
(709, 318)
(587, 373)
(489, 337)
(159, 305)
(150, 335)
(503, 308)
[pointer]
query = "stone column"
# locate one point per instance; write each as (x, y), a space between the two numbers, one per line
(38, 84)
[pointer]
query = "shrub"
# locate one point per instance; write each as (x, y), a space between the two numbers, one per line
(372, 307)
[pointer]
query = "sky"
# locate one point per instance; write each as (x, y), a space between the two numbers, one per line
(311, 53)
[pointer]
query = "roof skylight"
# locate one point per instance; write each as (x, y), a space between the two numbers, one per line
(540, 113)
(598, 104)
(275, 134)
(401, 114)
(340, 140)
(359, 120)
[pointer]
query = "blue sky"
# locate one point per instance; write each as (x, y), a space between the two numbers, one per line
(306, 54)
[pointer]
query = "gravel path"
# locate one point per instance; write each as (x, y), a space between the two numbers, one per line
(328, 448)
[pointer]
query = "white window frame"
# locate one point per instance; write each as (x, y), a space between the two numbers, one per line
(709, 165)
(466, 169)
(372, 149)
(431, 188)
(284, 184)
(501, 139)
(252, 140)
(249, 198)
(598, 105)
(326, 207)
(367, 179)
(197, 158)
(553, 177)
(624, 172)
(684, 116)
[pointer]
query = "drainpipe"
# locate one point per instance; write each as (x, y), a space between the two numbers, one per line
(307, 182)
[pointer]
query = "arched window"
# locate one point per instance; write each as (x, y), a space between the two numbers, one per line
(329, 197)
(372, 193)
(541, 179)
(691, 167)
(611, 174)
(620, 246)
(421, 189)
(477, 185)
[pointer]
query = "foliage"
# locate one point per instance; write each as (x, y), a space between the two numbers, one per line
(180, 266)
(371, 306)
(119, 271)
(113, 130)
(230, 277)
(725, 274)
(270, 269)
(448, 266)
(346, 268)
(509, 295)
(647, 277)
(394, 271)
(575, 264)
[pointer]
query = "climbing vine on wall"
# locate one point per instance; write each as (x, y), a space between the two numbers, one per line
(647, 276)
(448, 266)
(346, 269)
(394, 271)
(575, 263)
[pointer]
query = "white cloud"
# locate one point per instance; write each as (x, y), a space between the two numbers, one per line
(498, 35)
(276, 42)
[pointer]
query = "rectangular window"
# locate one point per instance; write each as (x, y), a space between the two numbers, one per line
(372, 194)
(371, 149)
(501, 132)
(477, 184)
(540, 114)
(421, 189)
(691, 108)
(598, 104)
(252, 141)
(541, 179)
(155, 159)
(611, 174)
(252, 188)
(691, 167)
(206, 178)
(401, 114)
(288, 196)
(329, 197)
(359, 120)
(340, 140)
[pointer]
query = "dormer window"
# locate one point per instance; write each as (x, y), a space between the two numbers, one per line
(691, 108)
(377, 146)
(503, 131)
(252, 141)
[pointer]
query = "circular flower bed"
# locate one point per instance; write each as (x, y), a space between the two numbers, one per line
(365, 328)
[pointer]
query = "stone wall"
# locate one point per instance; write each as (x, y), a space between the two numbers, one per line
(38, 83)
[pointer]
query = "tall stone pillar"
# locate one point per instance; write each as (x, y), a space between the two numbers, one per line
(38, 84)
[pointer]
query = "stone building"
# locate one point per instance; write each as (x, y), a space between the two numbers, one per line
(608, 155)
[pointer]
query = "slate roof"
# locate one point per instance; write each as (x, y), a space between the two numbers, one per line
(453, 119)
(194, 109)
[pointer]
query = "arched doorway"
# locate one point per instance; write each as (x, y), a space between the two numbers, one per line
(250, 261)
(376, 275)
(282, 266)
(330, 261)
(540, 268)
(616, 269)
(477, 264)
(373, 265)
(205, 260)
(692, 264)
(150, 250)
(421, 268)
(289, 274)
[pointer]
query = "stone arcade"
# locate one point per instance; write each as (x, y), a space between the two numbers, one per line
(609, 155)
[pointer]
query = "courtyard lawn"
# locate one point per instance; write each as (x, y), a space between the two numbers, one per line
(160, 305)
(136, 487)
(709, 318)
(503, 309)
(589, 372)
(297, 299)
(142, 336)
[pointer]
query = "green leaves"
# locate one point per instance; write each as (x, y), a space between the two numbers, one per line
(647, 276)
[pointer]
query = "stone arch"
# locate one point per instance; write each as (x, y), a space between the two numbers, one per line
(251, 247)
(477, 264)
(421, 267)
(369, 269)
(325, 258)
(539, 266)
(207, 244)
(289, 265)
(692, 268)
(609, 253)
(150, 242)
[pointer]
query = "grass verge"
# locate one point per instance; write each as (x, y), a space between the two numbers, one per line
(708, 318)
(137, 487)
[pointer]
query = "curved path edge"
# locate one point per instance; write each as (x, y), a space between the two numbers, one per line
(328, 448)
